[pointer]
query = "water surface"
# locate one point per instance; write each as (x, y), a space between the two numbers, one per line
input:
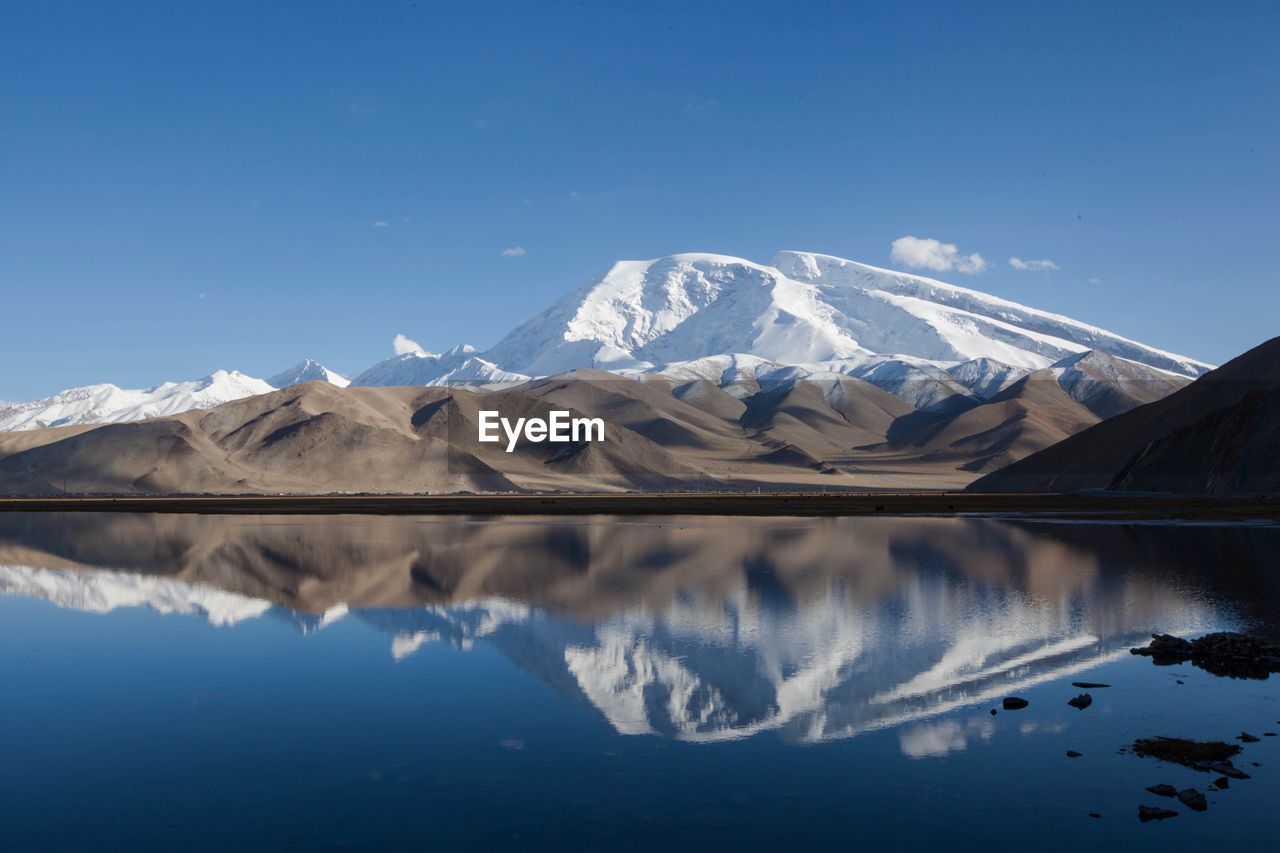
(361, 682)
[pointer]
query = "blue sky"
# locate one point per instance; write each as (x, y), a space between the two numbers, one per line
(188, 186)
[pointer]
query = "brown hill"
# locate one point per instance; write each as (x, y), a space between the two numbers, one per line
(1203, 437)
(315, 438)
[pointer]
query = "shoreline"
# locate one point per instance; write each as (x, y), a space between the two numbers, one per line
(806, 504)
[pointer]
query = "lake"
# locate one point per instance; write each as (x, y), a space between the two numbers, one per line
(293, 682)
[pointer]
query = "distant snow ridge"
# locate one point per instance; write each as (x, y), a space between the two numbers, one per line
(308, 371)
(103, 404)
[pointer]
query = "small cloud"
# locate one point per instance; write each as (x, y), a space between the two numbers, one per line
(404, 345)
(694, 108)
(202, 296)
(929, 254)
(381, 223)
(513, 252)
(1043, 264)
(1095, 280)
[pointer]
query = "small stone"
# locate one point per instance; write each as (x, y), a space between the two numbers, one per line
(1222, 782)
(1094, 814)
(1014, 703)
(1089, 685)
(1071, 753)
(994, 712)
(1245, 737)
(1180, 681)
(1268, 734)
(1146, 813)
(1163, 790)
(1193, 799)
(1084, 700)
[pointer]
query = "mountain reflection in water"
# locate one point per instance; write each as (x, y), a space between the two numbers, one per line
(698, 629)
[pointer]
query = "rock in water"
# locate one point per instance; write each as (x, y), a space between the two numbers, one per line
(1088, 685)
(1222, 782)
(1193, 799)
(1221, 653)
(1071, 753)
(1146, 813)
(1014, 703)
(1084, 700)
(1163, 790)
(1245, 737)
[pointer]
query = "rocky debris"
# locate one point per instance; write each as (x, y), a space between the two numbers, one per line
(1014, 703)
(1084, 700)
(994, 712)
(1222, 782)
(1245, 737)
(1071, 753)
(1221, 653)
(1094, 814)
(1268, 734)
(1146, 813)
(1089, 685)
(1163, 790)
(1193, 799)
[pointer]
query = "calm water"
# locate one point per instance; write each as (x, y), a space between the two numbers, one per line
(185, 682)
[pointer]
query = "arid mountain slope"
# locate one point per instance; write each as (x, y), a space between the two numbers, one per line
(826, 431)
(1205, 437)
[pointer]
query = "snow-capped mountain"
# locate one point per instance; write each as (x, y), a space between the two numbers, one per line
(804, 309)
(739, 325)
(459, 365)
(308, 370)
(102, 404)
(744, 326)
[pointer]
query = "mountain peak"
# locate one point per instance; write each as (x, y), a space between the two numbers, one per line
(308, 370)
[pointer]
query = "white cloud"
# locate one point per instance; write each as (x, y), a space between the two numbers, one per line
(381, 223)
(1043, 264)
(1095, 280)
(405, 345)
(929, 254)
(513, 252)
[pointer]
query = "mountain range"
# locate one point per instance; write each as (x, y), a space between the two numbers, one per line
(712, 372)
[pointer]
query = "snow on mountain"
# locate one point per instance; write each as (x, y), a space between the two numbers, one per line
(1108, 385)
(736, 324)
(457, 366)
(100, 404)
(929, 318)
(805, 309)
(986, 377)
(308, 371)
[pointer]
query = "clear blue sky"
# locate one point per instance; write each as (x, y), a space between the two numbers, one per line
(186, 186)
